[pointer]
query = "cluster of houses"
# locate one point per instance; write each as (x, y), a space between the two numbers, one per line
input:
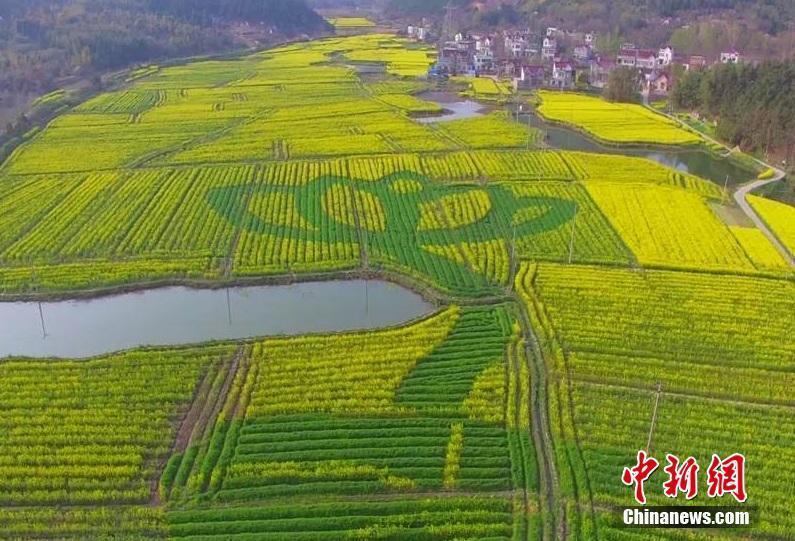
(558, 59)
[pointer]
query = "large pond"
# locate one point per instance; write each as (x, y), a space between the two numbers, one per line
(697, 162)
(179, 315)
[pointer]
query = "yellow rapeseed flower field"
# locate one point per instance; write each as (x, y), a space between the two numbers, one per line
(613, 122)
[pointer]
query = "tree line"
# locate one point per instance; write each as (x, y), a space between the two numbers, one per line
(753, 105)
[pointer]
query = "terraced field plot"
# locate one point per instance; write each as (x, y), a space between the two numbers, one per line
(614, 122)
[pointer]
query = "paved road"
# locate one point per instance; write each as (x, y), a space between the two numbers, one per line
(745, 189)
(739, 197)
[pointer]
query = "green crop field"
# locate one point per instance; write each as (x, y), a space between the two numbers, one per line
(576, 294)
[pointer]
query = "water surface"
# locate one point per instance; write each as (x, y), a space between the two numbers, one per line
(180, 315)
(455, 107)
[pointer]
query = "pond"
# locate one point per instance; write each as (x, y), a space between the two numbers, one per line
(179, 315)
(455, 107)
(696, 162)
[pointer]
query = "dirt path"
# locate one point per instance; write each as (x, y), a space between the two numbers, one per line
(542, 435)
(198, 417)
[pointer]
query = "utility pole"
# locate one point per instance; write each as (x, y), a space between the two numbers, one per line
(512, 269)
(573, 231)
(41, 318)
(726, 189)
(366, 275)
(228, 307)
(654, 417)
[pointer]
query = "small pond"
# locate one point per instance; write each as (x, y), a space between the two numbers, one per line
(179, 315)
(455, 107)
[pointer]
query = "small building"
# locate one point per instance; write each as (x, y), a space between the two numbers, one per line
(656, 83)
(417, 32)
(590, 39)
(562, 74)
(483, 43)
(731, 56)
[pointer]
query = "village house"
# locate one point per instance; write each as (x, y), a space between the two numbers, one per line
(631, 56)
(600, 72)
(483, 59)
(456, 55)
(590, 39)
(562, 74)
(696, 61)
(665, 56)
(529, 76)
(583, 52)
(549, 48)
(506, 67)
(417, 33)
(656, 83)
(517, 45)
(731, 56)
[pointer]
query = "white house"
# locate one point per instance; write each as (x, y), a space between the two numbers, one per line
(517, 46)
(637, 58)
(483, 43)
(483, 60)
(730, 57)
(562, 74)
(550, 48)
(665, 56)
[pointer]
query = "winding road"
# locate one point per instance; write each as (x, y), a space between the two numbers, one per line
(739, 197)
(745, 189)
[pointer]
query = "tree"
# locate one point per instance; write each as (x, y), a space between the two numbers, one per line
(622, 85)
(687, 92)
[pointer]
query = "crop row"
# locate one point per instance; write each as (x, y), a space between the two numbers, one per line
(91, 432)
(717, 347)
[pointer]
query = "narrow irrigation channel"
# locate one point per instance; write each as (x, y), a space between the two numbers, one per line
(180, 315)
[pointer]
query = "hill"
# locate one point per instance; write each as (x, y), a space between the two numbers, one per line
(654, 18)
(42, 43)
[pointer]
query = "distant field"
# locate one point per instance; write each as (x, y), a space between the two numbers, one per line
(351, 22)
(613, 122)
